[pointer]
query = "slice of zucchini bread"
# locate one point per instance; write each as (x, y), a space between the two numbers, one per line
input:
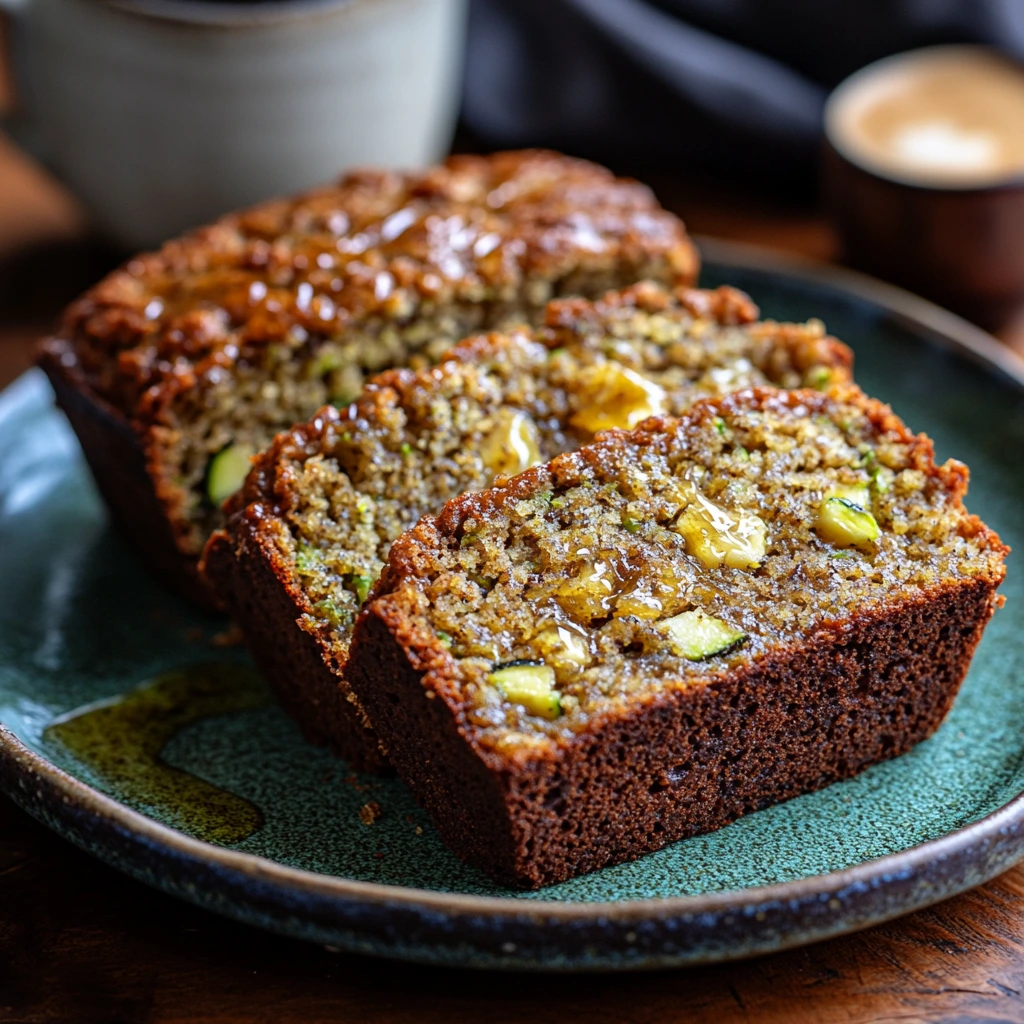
(672, 627)
(179, 366)
(312, 526)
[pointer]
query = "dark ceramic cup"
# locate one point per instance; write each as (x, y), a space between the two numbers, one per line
(960, 243)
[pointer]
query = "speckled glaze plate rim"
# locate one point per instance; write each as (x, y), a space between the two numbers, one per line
(508, 933)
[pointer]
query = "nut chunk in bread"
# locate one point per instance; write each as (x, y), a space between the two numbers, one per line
(672, 627)
(313, 524)
(178, 367)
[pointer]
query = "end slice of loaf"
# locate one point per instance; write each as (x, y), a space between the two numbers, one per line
(672, 627)
(312, 527)
(178, 366)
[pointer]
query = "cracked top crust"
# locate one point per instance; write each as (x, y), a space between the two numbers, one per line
(510, 229)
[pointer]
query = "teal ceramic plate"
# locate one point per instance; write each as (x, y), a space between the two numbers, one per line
(128, 729)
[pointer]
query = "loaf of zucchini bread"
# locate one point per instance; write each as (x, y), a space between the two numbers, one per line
(179, 366)
(310, 530)
(672, 627)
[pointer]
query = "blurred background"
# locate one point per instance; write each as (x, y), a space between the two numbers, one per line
(720, 105)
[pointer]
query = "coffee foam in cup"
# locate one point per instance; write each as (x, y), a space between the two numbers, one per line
(950, 117)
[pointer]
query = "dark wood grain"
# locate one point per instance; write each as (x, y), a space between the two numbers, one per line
(80, 943)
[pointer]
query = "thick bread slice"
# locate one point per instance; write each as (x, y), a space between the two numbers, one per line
(672, 627)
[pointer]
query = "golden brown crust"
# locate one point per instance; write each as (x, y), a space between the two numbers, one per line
(119, 467)
(724, 305)
(377, 244)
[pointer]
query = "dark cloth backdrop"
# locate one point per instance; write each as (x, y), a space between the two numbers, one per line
(729, 86)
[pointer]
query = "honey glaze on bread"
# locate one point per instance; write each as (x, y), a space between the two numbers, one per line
(180, 366)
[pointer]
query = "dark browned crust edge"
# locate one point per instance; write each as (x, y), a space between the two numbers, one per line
(117, 459)
(298, 669)
(683, 762)
(862, 689)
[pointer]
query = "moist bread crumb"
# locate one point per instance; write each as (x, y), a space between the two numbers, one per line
(310, 530)
(672, 627)
(176, 368)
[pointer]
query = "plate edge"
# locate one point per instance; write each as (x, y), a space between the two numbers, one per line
(1004, 823)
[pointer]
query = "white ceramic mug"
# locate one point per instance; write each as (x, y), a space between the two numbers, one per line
(162, 114)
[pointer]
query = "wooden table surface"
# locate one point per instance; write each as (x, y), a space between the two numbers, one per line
(81, 943)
